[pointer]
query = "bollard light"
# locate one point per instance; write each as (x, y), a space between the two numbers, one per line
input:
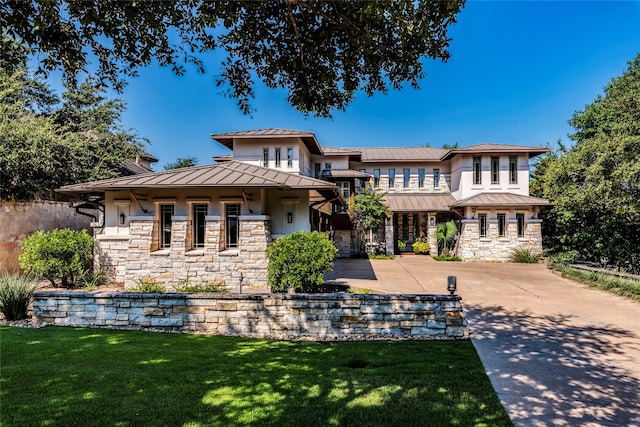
(452, 284)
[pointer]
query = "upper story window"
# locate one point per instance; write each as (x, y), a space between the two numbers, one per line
(327, 165)
(495, 170)
(199, 214)
(482, 225)
(436, 178)
(392, 178)
(376, 178)
(513, 169)
(420, 177)
(502, 225)
(477, 170)
(265, 157)
(278, 153)
(406, 173)
(290, 157)
(166, 212)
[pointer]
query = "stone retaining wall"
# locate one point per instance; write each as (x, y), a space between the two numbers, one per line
(323, 317)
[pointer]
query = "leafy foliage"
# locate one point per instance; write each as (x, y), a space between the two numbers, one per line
(181, 162)
(299, 260)
(44, 145)
(149, 286)
(525, 256)
(447, 258)
(321, 52)
(15, 295)
(58, 254)
(421, 247)
(445, 235)
(368, 209)
(626, 287)
(595, 184)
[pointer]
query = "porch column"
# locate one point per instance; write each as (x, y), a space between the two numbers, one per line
(388, 236)
(431, 233)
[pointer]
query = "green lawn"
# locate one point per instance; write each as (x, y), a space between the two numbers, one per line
(66, 377)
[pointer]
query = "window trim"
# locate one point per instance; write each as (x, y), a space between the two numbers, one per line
(278, 156)
(477, 170)
(376, 178)
(482, 225)
(265, 157)
(227, 226)
(521, 224)
(406, 176)
(495, 169)
(502, 224)
(163, 241)
(195, 224)
(513, 169)
(421, 177)
(289, 157)
(392, 177)
(436, 178)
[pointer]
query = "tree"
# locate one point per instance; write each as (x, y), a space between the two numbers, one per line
(368, 210)
(321, 52)
(451, 146)
(44, 146)
(445, 234)
(181, 162)
(595, 184)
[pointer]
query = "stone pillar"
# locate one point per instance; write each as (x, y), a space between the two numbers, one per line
(431, 234)
(179, 231)
(388, 236)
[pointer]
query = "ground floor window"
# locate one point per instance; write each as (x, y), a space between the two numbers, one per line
(166, 212)
(482, 225)
(232, 222)
(520, 220)
(199, 214)
(502, 225)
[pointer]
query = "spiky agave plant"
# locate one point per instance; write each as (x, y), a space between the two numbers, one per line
(15, 294)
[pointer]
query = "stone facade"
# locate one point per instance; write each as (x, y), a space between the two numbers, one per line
(325, 317)
(498, 249)
(136, 257)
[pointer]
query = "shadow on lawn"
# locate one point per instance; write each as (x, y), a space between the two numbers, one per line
(102, 377)
(547, 369)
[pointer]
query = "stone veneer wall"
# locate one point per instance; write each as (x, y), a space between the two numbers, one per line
(494, 248)
(325, 317)
(134, 257)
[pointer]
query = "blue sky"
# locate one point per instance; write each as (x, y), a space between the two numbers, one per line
(518, 71)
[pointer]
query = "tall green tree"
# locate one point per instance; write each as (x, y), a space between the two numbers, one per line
(321, 52)
(368, 210)
(595, 184)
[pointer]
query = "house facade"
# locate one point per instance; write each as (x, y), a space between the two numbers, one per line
(213, 223)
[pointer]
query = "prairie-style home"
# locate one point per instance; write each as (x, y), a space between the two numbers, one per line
(213, 223)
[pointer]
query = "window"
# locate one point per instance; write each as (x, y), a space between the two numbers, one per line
(278, 156)
(392, 178)
(345, 189)
(495, 170)
(166, 212)
(289, 157)
(327, 166)
(420, 178)
(477, 170)
(406, 173)
(265, 157)
(376, 178)
(318, 168)
(482, 225)
(436, 178)
(520, 220)
(199, 214)
(232, 222)
(502, 225)
(513, 169)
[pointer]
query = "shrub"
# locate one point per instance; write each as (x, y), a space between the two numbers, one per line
(447, 258)
(564, 258)
(15, 294)
(58, 254)
(149, 286)
(194, 288)
(299, 260)
(380, 256)
(525, 256)
(421, 247)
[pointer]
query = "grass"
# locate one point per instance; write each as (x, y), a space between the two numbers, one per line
(617, 285)
(77, 377)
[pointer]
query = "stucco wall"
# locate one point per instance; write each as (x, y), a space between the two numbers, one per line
(20, 219)
(326, 317)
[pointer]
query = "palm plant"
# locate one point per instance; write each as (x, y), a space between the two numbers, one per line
(445, 234)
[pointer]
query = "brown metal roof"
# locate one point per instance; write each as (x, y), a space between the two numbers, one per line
(336, 151)
(489, 148)
(308, 138)
(405, 154)
(419, 202)
(226, 174)
(502, 199)
(344, 173)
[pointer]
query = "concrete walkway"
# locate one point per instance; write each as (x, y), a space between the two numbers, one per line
(557, 353)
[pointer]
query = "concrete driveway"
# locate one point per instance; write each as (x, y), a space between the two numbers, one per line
(557, 353)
